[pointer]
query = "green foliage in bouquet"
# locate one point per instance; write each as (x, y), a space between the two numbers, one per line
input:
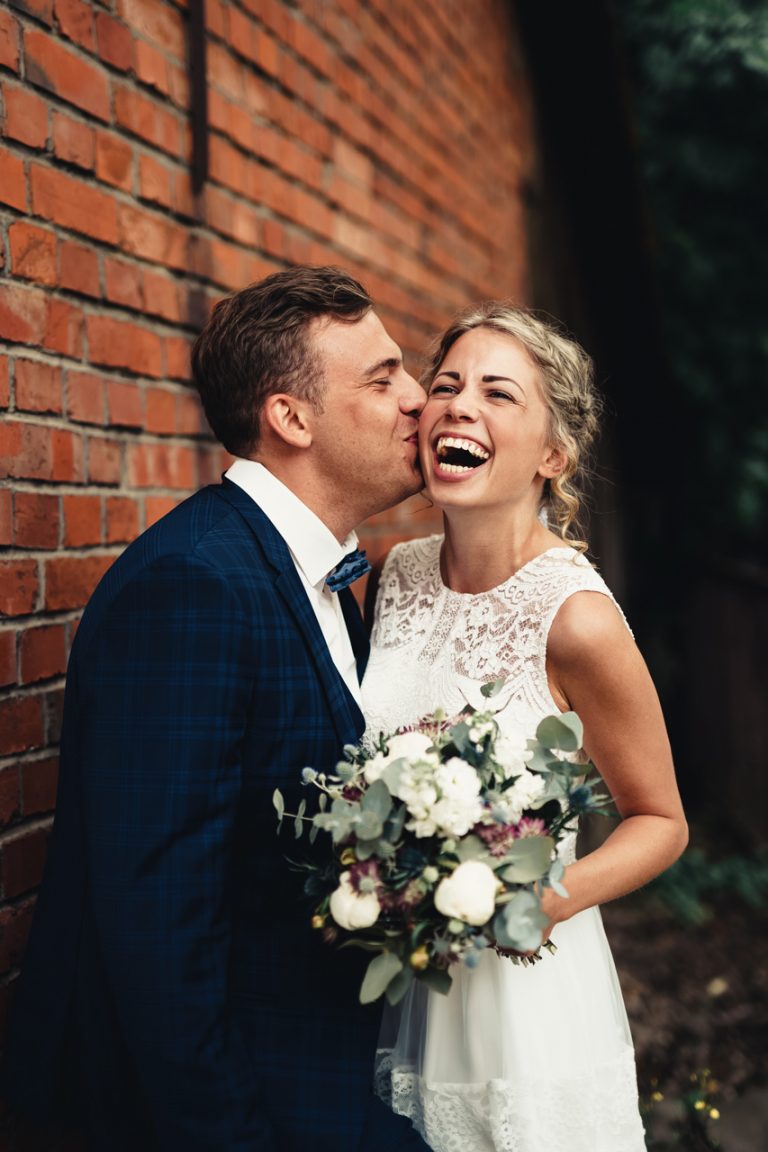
(443, 838)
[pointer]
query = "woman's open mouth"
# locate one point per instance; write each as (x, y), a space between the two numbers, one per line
(455, 455)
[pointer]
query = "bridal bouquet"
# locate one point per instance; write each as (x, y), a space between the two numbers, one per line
(443, 837)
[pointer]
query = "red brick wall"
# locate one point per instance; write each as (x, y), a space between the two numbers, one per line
(389, 137)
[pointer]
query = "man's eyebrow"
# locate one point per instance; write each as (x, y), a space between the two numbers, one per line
(388, 362)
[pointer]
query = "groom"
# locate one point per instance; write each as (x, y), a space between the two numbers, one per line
(173, 994)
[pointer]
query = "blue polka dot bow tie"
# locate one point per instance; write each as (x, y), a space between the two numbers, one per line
(352, 567)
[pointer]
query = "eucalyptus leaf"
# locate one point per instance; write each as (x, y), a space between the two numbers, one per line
(368, 826)
(528, 859)
(298, 823)
(377, 800)
(399, 985)
(381, 970)
(279, 803)
(471, 847)
(564, 732)
(519, 924)
(436, 979)
(492, 688)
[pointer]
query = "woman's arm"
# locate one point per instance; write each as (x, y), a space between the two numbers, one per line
(595, 669)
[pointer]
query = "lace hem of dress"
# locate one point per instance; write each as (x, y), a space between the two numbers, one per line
(594, 1111)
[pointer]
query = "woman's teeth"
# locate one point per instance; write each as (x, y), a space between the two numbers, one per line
(456, 454)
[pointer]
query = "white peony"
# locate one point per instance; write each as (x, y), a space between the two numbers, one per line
(407, 745)
(351, 909)
(512, 753)
(469, 893)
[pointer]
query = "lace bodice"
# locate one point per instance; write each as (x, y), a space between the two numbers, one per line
(432, 647)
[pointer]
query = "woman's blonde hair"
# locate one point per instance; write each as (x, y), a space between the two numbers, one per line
(567, 385)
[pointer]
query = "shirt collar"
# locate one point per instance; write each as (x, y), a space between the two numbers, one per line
(311, 543)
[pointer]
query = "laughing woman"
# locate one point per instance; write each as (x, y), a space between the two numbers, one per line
(520, 1059)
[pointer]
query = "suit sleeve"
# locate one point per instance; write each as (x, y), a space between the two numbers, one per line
(167, 680)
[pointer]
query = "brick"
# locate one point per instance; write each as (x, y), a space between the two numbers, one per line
(23, 313)
(161, 24)
(73, 141)
(66, 456)
(73, 204)
(22, 859)
(5, 383)
(10, 809)
(155, 181)
(151, 67)
(153, 238)
(37, 520)
(25, 450)
(26, 117)
(122, 516)
(15, 922)
(82, 520)
(51, 65)
(78, 268)
(70, 580)
(189, 417)
(177, 353)
(155, 507)
(178, 85)
(114, 161)
(33, 252)
(13, 187)
(85, 398)
(64, 329)
(42, 9)
(39, 779)
(161, 297)
(21, 724)
(125, 404)
(104, 461)
(6, 517)
(18, 587)
(123, 283)
(9, 41)
(53, 714)
(115, 42)
(161, 466)
(161, 412)
(121, 344)
(38, 386)
(143, 117)
(75, 19)
(7, 657)
(42, 653)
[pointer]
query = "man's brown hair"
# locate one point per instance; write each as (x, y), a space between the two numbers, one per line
(256, 343)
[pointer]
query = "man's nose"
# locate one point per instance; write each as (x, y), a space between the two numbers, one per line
(412, 397)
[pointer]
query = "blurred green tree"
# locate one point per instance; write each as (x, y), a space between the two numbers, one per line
(699, 100)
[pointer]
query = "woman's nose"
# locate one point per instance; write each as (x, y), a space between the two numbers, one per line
(462, 406)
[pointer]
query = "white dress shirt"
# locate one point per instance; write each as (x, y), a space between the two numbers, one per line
(315, 552)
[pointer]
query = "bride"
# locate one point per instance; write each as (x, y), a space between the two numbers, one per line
(515, 1058)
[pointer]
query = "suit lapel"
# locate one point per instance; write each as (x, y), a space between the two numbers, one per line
(347, 718)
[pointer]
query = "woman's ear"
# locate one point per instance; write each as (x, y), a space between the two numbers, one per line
(553, 463)
(287, 417)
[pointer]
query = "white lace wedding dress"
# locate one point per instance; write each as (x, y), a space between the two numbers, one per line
(514, 1059)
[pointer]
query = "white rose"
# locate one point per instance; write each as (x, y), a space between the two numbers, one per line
(512, 753)
(351, 909)
(408, 745)
(469, 893)
(457, 780)
(456, 817)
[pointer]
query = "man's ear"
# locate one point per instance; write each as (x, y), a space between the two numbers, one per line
(553, 463)
(288, 418)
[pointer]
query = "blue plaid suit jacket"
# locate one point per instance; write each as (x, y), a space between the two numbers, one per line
(172, 984)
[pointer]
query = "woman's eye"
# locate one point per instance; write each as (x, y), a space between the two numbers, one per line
(436, 389)
(497, 394)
